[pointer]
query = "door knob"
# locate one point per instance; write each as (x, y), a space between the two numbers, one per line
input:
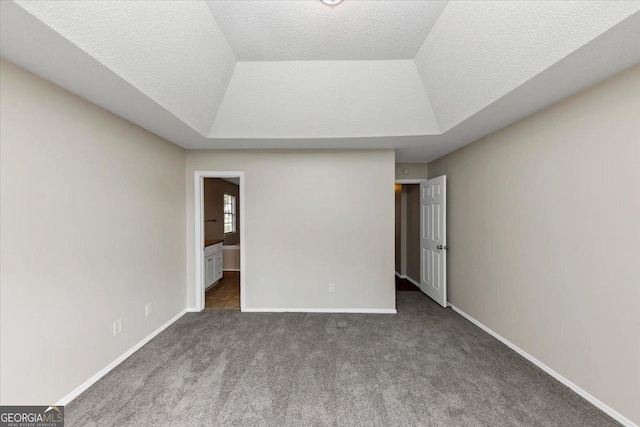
(442, 247)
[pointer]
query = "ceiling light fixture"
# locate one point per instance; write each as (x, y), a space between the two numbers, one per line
(331, 2)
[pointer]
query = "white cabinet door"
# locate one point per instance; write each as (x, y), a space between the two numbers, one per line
(217, 263)
(209, 271)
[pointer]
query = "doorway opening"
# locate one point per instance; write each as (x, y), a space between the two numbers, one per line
(220, 249)
(407, 234)
(421, 235)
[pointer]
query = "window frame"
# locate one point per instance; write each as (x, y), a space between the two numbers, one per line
(232, 214)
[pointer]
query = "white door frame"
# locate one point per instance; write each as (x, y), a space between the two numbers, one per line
(403, 222)
(199, 177)
(410, 181)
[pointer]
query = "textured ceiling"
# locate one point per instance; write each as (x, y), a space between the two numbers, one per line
(346, 99)
(175, 53)
(505, 44)
(422, 77)
(309, 30)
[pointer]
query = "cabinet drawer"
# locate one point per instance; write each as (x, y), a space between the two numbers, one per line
(212, 249)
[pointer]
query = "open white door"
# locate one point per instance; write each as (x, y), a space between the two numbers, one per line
(433, 241)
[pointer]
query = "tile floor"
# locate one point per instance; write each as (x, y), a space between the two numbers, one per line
(226, 294)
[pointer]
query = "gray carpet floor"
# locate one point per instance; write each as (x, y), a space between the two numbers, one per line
(425, 366)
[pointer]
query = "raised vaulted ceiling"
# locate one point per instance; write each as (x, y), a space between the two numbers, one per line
(424, 77)
(308, 30)
(503, 44)
(172, 51)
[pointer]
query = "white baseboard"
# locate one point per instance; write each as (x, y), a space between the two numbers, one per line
(192, 310)
(230, 269)
(322, 310)
(104, 371)
(404, 276)
(588, 397)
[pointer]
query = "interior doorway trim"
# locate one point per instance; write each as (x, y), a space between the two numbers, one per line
(410, 181)
(199, 177)
(403, 225)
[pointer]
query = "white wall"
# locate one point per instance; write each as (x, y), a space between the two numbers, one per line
(92, 228)
(311, 218)
(544, 231)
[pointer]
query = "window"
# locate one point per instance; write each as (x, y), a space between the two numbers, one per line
(229, 204)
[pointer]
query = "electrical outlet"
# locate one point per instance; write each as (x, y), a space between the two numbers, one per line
(147, 310)
(332, 287)
(117, 327)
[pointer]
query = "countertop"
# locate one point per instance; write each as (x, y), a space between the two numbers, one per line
(212, 242)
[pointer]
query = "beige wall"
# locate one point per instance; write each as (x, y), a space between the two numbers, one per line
(414, 170)
(214, 191)
(544, 230)
(92, 228)
(231, 258)
(413, 231)
(311, 218)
